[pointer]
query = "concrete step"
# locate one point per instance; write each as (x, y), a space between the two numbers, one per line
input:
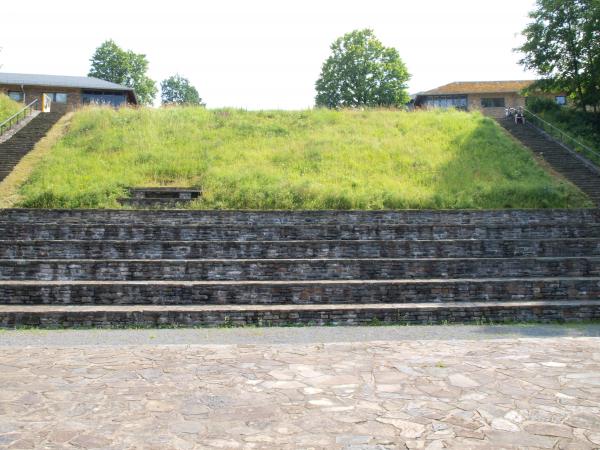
(295, 269)
(302, 292)
(213, 217)
(283, 315)
(206, 232)
(468, 248)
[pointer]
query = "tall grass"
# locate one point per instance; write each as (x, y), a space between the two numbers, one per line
(314, 159)
(8, 107)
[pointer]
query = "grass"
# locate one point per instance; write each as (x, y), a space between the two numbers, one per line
(314, 159)
(8, 107)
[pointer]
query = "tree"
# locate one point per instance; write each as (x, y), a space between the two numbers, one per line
(362, 72)
(177, 89)
(111, 63)
(562, 43)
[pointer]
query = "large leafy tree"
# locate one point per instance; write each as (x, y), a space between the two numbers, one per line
(111, 63)
(562, 43)
(362, 72)
(177, 89)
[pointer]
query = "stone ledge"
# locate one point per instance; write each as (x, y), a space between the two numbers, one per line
(213, 315)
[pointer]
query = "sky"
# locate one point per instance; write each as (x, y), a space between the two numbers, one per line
(266, 54)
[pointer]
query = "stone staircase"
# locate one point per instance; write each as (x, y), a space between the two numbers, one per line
(67, 268)
(12, 150)
(575, 168)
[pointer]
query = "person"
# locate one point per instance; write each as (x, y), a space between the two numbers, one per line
(520, 116)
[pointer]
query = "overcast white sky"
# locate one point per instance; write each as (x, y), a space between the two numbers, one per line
(265, 54)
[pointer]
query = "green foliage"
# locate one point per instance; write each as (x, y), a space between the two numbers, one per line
(581, 125)
(315, 159)
(541, 104)
(111, 63)
(178, 90)
(8, 107)
(362, 72)
(563, 45)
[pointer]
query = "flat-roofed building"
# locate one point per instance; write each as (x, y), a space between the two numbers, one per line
(66, 92)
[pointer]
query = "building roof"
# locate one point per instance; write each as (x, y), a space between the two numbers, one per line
(479, 87)
(30, 79)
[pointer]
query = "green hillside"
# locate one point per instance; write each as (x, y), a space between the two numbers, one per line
(8, 107)
(314, 159)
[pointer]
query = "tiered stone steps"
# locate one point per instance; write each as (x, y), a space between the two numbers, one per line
(583, 174)
(12, 150)
(219, 268)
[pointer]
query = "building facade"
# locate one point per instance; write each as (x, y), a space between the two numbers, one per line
(65, 92)
(489, 97)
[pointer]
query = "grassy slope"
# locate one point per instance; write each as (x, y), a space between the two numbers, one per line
(8, 107)
(316, 159)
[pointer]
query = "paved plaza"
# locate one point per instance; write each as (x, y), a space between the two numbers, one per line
(491, 391)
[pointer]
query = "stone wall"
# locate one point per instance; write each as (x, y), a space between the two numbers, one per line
(340, 315)
(295, 269)
(215, 217)
(297, 292)
(299, 249)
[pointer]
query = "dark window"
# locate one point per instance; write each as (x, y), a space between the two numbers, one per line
(103, 98)
(447, 101)
(496, 102)
(561, 100)
(17, 96)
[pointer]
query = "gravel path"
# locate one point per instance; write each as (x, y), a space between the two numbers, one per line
(307, 335)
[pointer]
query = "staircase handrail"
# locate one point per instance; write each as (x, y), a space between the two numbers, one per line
(563, 135)
(8, 123)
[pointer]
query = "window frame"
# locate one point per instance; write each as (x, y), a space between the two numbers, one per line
(53, 97)
(447, 101)
(21, 94)
(493, 102)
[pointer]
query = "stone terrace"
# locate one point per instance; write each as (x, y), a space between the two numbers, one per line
(213, 268)
(428, 394)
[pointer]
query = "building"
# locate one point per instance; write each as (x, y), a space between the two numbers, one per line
(66, 92)
(490, 97)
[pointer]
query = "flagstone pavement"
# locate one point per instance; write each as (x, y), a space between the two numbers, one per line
(423, 394)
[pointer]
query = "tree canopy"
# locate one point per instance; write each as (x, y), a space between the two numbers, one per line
(562, 43)
(178, 90)
(111, 63)
(362, 72)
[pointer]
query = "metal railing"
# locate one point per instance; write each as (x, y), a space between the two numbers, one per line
(563, 137)
(17, 117)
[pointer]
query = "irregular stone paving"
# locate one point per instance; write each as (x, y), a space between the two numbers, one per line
(514, 393)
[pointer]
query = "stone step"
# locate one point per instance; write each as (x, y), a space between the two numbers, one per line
(559, 158)
(24, 141)
(468, 248)
(173, 193)
(295, 269)
(303, 292)
(407, 217)
(206, 232)
(284, 315)
(160, 203)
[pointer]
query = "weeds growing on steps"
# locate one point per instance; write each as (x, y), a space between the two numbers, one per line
(313, 159)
